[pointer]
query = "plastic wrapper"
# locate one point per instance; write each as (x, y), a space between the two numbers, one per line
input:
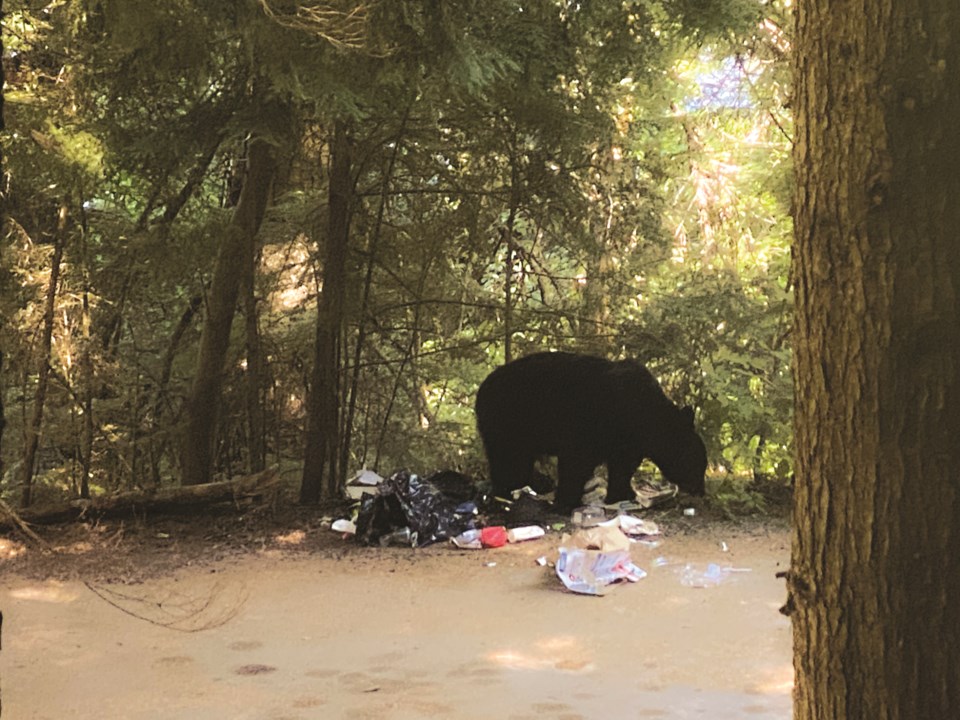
(406, 500)
(591, 572)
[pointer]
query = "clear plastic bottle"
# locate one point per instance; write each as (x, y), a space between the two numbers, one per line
(401, 536)
(693, 576)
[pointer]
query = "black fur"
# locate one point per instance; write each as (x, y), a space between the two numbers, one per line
(586, 411)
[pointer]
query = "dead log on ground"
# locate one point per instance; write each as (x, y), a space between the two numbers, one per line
(161, 500)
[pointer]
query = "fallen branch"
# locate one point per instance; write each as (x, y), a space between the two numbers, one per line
(10, 517)
(160, 500)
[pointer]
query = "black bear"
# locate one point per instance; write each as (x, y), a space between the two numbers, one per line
(586, 411)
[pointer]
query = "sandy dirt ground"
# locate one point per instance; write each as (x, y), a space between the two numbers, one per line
(282, 633)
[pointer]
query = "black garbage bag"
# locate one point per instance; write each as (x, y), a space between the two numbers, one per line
(406, 500)
(454, 486)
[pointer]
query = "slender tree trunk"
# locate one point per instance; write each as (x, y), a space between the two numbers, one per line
(236, 247)
(875, 577)
(256, 371)
(255, 375)
(86, 370)
(508, 301)
(159, 439)
(347, 425)
(321, 474)
(35, 424)
(409, 358)
(596, 303)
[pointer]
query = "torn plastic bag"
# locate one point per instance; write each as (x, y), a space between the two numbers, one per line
(406, 500)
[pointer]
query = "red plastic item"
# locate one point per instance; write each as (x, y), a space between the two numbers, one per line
(495, 536)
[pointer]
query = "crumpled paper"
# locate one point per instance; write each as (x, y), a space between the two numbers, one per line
(592, 560)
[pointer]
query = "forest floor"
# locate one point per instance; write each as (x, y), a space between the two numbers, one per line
(268, 614)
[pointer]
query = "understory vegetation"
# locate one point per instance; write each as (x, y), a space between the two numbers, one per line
(372, 205)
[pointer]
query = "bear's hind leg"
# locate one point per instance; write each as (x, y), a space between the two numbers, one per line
(573, 471)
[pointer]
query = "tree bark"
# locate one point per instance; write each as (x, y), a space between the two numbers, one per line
(256, 370)
(3, 417)
(3, 227)
(236, 247)
(159, 436)
(321, 472)
(32, 441)
(875, 576)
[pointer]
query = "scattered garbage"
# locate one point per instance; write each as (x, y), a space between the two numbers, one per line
(455, 486)
(696, 576)
(592, 559)
(588, 516)
(363, 482)
(633, 527)
(605, 538)
(493, 537)
(693, 576)
(344, 526)
(399, 537)
(406, 500)
(468, 540)
(591, 572)
(409, 511)
(527, 532)
(650, 494)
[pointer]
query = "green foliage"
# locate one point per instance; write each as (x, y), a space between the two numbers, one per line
(564, 152)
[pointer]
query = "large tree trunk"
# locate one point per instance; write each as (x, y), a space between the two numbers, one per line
(875, 578)
(236, 247)
(3, 228)
(321, 472)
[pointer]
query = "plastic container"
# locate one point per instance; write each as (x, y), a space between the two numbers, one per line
(495, 536)
(528, 532)
(468, 540)
(400, 537)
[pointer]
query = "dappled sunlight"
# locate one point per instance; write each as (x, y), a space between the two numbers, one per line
(50, 592)
(776, 682)
(563, 652)
(10, 549)
(81, 547)
(295, 537)
(290, 264)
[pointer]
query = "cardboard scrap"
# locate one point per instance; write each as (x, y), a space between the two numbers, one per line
(593, 559)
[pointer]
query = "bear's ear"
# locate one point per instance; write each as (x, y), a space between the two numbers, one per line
(686, 412)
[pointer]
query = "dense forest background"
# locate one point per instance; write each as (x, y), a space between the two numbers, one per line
(239, 234)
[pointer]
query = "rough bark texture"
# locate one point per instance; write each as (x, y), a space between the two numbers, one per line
(321, 471)
(237, 245)
(875, 580)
